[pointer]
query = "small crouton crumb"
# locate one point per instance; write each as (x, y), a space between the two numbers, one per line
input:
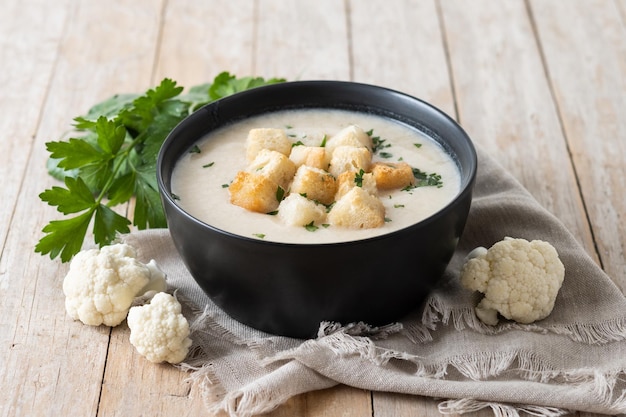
(392, 175)
(358, 209)
(274, 165)
(267, 138)
(254, 192)
(314, 156)
(348, 158)
(315, 183)
(296, 210)
(346, 181)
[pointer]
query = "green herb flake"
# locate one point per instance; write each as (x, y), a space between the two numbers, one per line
(387, 220)
(272, 213)
(175, 197)
(280, 193)
(358, 178)
(325, 225)
(386, 155)
(417, 145)
(225, 185)
(398, 205)
(298, 143)
(311, 227)
(324, 139)
(195, 149)
(210, 164)
(259, 235)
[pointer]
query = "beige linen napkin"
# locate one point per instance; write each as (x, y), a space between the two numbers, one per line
(573, 360)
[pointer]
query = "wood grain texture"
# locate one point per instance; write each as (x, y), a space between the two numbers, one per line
(505, 103)
(587, 68)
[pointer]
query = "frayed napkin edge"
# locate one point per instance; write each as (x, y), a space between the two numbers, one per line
(436, 311)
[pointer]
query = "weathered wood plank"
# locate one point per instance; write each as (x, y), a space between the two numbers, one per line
(587, 67)
(209, 46)
(302, 40)
(401, 47)
(52, 366)
(505, 103)
(29, 38)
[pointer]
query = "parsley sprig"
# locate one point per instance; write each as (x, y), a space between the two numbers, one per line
(112, 159)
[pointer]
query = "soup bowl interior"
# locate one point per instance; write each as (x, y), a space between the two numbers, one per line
(289, 288)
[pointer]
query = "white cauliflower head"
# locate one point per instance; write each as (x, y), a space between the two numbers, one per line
(519, 279)
(101, 284)
(159, 331)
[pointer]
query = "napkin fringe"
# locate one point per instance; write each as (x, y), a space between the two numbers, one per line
(469, 405)
(437, 311)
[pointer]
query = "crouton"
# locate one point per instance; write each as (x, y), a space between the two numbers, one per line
(273, 165)
(315, 183)
(392, 175)
(314, 156)
(350, 136)
(347, 180)
(266, 138)
(348, 158)
(358, 209)
(254, 192)
(296, 210)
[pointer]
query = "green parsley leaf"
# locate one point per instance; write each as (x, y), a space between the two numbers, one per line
(112, 160)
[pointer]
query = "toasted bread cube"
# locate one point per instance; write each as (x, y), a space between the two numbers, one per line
(346, 181)
(254, 192)
(349, 158)
(273, 165)
(392, 175)
(350, 136)
(314, 156)
(358, 209)
(267, 138)
(296, 210)
(315, 183)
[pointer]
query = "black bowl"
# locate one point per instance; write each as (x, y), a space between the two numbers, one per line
(288, 289)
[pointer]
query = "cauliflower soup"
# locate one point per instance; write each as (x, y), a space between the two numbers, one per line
(207, 180)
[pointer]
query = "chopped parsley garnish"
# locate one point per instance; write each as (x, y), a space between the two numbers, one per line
(311, 227)
(378, 143)
(259, 235)
(385, 155)
(417, 145)
(298, 143)
(175, 197)
(323, 144)
(398, 205)
(280, 193)
(195, 149)
(358, 178)
(424, 179)
(210, 164)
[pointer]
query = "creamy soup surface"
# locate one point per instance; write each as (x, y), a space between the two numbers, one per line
(200, 178)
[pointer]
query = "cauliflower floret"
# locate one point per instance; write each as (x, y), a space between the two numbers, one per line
(159, 331)
(519, 279)
(101, 284)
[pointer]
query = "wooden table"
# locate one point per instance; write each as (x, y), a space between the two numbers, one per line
(540, 84)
